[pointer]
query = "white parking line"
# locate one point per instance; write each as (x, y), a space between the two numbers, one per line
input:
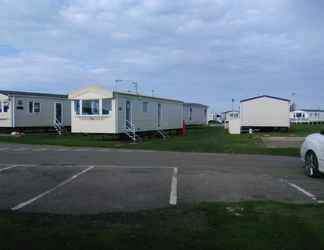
(7, 168)
(81, 150)
(26, 203)
(174, 188)
(19, 149)
(40, 149)
(305, 192)
(130, 167)
(103, 150)
(61, 149)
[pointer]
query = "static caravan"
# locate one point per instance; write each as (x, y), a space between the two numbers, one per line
(214, 117)
(230, 115)
(20, 110)
(227, 116)
(265, 112)
(307, 116)
(195, 114)
(99, 110)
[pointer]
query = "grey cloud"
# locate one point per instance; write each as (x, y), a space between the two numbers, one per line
(201, 50)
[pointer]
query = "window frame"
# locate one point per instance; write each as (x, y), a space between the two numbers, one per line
(145, 107)
(97, 114)
(101, 107)
(75, 102)
(3, 106)
(101, 103)
(39, 107)
(20, 106)
(31, 107)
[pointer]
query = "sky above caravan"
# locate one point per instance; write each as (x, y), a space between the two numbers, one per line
(206, 51)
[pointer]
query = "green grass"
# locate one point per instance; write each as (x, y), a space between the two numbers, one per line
(216, 226)
(199, 139)
(306, 129)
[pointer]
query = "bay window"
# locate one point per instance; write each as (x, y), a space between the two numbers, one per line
(77, 107)
(90, 107)
(106, 106)
(5, 107)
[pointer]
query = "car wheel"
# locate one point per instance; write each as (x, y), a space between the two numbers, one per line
(311, 165)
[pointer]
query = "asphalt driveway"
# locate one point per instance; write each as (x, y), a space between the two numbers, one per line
(91, 180)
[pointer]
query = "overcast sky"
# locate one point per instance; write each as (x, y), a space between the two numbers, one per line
(207, 51)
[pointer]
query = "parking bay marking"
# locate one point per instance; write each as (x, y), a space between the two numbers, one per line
(7, 168)
(174, 188)
(19, 149)
(174, 182)
(308, 194)
(67, 181)
(39, 149)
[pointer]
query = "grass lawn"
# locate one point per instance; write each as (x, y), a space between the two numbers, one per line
(306, 129)
(248, 225)
(199, 139)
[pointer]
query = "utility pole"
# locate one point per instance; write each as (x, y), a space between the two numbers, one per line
(293, 104)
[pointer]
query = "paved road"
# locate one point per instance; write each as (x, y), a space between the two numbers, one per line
(89, 180)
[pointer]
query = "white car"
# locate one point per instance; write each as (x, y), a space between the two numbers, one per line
(312, 153)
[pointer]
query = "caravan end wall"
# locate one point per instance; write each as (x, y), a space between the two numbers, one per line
(195, 114)
(265, 112)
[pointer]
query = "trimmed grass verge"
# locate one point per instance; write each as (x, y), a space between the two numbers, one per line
(306, 129)
(199, 139)
(240, 226)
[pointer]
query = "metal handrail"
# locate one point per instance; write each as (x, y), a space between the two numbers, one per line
(131, 129)
(58, 126)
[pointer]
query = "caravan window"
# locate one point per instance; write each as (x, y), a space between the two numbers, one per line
(31, 107)
(77, 107)
(145, 107)
(106, 106)
(0, 107)
(90, 107)
(20, 105)
(36, 107)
